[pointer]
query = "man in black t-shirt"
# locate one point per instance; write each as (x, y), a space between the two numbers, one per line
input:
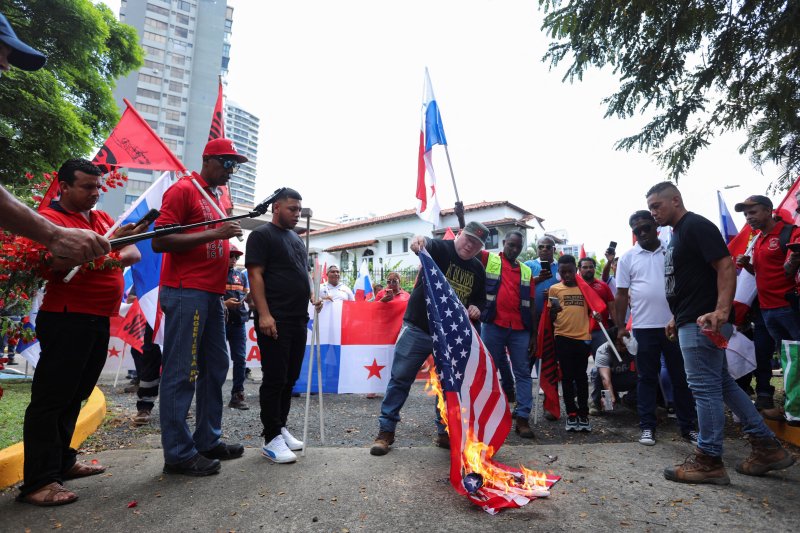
(280, 288)
(466, 275)
(700, 280)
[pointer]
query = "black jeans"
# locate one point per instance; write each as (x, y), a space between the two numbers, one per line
(281, 361)
(148, 369)
(573, 358)
(74, 348)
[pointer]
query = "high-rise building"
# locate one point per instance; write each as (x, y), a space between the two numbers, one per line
(242, 127)
(187, 48)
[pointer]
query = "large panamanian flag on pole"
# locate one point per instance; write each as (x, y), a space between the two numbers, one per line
(473, 405)
(357, 346)
(431, 134)
(726, 223)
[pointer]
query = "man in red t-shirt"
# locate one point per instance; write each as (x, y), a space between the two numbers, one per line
(774, 275)
(393, 291)
(73, 331)
(588, 267)
(193, 279)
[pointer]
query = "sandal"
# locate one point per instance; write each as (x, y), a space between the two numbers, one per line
(83, 470)
(46, 496)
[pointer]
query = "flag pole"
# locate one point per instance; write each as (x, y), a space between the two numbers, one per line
(308, 382)
(318, 346)
(119, 365)
(459, 210)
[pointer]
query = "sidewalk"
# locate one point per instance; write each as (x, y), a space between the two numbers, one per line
(605, 487)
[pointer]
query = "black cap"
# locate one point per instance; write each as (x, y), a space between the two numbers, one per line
(751, 201)
(477, 230)
(21, 56)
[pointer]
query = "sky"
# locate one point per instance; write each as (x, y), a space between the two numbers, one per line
(338, 89)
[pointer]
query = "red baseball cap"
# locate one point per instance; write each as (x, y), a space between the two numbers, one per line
(221, 147)
(235, 251)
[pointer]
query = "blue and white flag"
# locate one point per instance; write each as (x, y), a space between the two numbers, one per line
(431, 134)
(726, 224)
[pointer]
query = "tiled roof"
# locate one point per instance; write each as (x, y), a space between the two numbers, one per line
(350, 246)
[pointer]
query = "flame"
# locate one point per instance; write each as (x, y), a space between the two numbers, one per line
(477, 458)
(434, 388)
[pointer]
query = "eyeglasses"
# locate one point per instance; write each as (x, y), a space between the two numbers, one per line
(647, 228)
(545, 246)
(228, 164)
(393, 281)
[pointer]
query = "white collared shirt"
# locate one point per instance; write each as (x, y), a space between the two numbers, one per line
(642, 273)
(338, 292)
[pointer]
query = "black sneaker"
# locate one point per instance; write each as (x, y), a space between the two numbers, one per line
(224, 452)
(197, 466)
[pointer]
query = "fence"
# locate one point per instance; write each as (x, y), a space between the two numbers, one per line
(378, 275)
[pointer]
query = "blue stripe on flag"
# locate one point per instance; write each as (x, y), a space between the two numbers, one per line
(331, 356)
(434, 129)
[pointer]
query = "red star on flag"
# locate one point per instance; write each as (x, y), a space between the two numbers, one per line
(375, 369)
(113, 352)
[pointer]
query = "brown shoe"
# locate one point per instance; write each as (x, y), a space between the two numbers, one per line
(776, 413)
(699, 468)
(382, 443)
(142, 418)
(237, 401)
(133, 387)
(767, 454)
(523, 428)
(442, 440)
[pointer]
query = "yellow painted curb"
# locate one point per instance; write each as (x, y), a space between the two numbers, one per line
(89, 420)
(784, 431)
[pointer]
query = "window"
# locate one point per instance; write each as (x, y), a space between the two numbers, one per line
(174, 116)
(155, 52)
(405, 245)
(388, 247)
(153, 64)
(183, 6)
(158, 10)
(182, 19)
(179, 46)
(175, 86)
(177, 73)
(173, 145)
(148, 94)
(147, 78)
(494, 240)
(154, 24)
(344, 259)
(174, 101)
(153, 124)
(147, 108)
(178, 131)
(183, 33)
(156, 38)
(178, 59)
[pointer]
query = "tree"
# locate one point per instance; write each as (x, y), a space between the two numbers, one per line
(66, 108)
(698, 68)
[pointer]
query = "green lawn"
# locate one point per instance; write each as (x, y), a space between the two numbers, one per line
(16, 397)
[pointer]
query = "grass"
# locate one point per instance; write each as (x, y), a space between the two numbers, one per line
(16, 396)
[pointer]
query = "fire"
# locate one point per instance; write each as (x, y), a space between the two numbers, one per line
(434, 388)
(477, 459)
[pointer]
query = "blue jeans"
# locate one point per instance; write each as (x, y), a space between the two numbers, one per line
(195, 358)
(653, 343)
(782, 323)
(237, 341)
(714, 388)
(497, 339)
(411, 349)
(765, 349)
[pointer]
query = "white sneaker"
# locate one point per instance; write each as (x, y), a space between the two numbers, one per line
(290, 441)
(647, 438)
(277, 451)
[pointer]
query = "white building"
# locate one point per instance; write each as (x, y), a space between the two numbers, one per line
(242, 127)
(384, 240)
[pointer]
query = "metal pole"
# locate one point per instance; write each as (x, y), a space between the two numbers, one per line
(121, 357)
(460, 216)
(319, 385)
(308, 384)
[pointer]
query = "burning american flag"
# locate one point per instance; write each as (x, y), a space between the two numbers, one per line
(472, 404)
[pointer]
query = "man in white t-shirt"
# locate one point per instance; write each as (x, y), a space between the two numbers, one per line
(640, 282)
(333, 289)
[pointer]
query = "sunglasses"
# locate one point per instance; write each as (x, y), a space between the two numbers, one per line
(545, 246)
(228, 164)
(647, 228)
(393, 281)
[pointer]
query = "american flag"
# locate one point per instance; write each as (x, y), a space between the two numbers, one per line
(477, 414)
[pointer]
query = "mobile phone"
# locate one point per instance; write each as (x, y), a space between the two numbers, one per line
(794, 246)
(554, 301)
(546, 265)
(612, 245)
(149, 218)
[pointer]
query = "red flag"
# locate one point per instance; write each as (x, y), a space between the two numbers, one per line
(217, 131)
(472, 404)
(582, 253)
(592, 299)
(449, 235)
(549, 374)
(131, 329)
(134, 144)
(324, 274)
(51, 194)
(789, 201)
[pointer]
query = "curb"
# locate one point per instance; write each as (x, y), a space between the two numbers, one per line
(784, 431)
(89, 420)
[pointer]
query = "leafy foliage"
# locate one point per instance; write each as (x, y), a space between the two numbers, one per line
(697, 68)
(66, 108)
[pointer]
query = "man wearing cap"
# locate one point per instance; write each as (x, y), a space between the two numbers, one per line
(78, 245)
(193, 280)
(236, 291)
(333, 289)
(774, 273)
(457, 259)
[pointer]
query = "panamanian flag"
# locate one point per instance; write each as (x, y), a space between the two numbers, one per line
(357, 346)
(431, 133)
